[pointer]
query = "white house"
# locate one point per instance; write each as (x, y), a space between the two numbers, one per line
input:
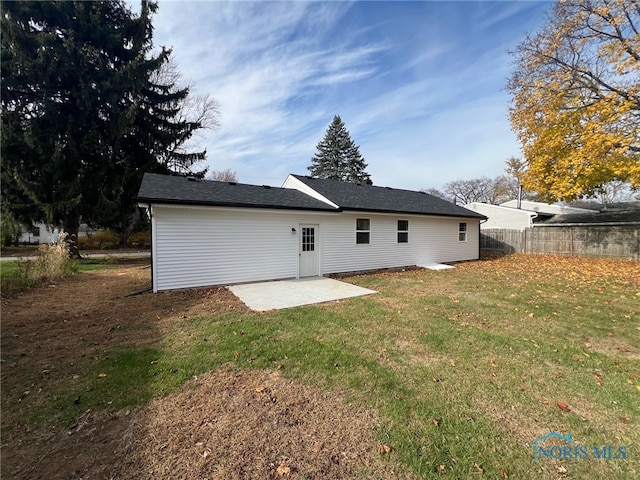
(508, 216)
(499, 216)
(219, 233)
(42, 233)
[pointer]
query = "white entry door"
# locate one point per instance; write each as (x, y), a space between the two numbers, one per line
(309, 251)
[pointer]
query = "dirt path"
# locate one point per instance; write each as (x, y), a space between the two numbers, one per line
(226, 424)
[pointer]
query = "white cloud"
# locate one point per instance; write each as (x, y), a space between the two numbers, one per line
(418, 85)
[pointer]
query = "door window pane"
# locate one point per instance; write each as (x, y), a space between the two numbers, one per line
(308, 239)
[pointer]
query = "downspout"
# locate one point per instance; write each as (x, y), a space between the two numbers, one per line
(150, 211)
(480, 236)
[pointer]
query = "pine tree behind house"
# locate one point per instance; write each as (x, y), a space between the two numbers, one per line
(338, 157)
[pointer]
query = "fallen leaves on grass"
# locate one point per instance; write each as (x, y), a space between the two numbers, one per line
(563, 406)
(384, 449)
(598, 378)
(577, 271)
(283, 470)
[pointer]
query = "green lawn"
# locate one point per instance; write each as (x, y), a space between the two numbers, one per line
(13, 276)
(465, 368)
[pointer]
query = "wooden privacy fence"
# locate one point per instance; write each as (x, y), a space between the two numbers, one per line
(615, 241)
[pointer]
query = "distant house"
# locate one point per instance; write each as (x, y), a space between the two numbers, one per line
(42, 233)
(499, 216)
(611, 231)
(508, 216)
(544, 210)
(38, 233)
(220, 233)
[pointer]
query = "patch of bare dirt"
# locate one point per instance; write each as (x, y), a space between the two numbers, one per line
(226, 424)
(50, 327)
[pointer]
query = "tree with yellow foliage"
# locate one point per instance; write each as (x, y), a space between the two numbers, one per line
(576, 98)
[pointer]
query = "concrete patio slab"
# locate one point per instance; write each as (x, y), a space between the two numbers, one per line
(436, 266)
(293, 293)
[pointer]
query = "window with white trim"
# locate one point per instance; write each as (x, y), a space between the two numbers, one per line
(462, 232)
(363, 230)
(403, 231)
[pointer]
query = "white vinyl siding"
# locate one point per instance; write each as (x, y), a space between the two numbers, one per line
(503, 217)
(218, 246)
(433, 240)
(204, 246)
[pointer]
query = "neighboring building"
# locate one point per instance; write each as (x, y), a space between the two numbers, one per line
(507, 216)
(38, 233)
(499, 216)
(544, 209)
(43, 233)
(219, 233)
(612, 231)
(620, 214)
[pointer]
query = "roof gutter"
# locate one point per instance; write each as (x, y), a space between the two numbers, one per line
(426, 214)
(165, 201)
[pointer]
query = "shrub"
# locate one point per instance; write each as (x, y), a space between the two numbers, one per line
(109, 245)
(140, 240)
(95, 241)
(53, 261)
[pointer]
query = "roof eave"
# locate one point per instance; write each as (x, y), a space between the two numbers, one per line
(164, 201)
(404, 212)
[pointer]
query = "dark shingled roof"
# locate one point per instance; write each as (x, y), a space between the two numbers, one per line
(170, 189)
(370, 198)
(603, 217)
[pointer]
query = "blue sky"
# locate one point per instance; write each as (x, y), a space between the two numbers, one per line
(419, 85)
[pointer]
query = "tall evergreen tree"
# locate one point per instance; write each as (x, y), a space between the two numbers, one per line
(84, 112)
(338, 157)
